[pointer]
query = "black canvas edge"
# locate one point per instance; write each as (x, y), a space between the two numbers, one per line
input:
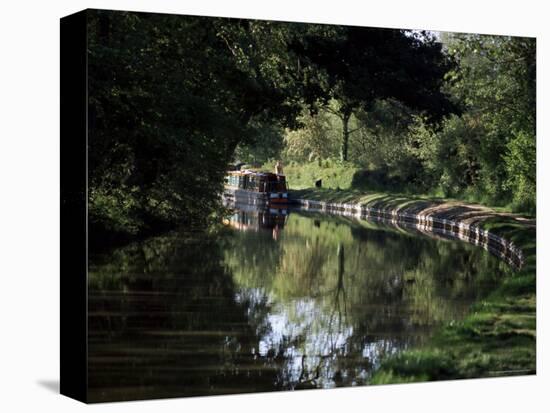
(73, 207)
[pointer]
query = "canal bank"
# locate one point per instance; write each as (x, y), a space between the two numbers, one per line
(498, 337)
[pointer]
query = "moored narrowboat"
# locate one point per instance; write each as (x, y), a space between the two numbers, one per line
(257, 188)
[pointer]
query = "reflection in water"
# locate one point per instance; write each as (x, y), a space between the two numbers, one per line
(315, 304)
(250, 218)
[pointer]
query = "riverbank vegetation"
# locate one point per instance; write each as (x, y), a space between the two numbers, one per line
(482, 152)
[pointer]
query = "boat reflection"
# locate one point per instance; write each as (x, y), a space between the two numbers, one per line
(246, 217)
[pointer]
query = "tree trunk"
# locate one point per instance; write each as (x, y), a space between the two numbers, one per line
(346, 115)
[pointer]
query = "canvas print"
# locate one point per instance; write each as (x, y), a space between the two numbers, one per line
(279, 206)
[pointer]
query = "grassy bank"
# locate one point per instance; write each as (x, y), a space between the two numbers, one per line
(334, 175)
(498, 337)
(352, 181)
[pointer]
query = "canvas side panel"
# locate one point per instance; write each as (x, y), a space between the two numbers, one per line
(73, 126)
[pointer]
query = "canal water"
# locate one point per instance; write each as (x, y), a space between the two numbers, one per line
(278, 301)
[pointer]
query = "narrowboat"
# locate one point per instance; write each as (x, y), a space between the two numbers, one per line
(256, 188)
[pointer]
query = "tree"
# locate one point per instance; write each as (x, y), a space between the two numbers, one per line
(495, 83)
(170, 98)
(314, 140)
(361, 65)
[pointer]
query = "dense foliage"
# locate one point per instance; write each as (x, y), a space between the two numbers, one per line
(496, 83)
(485, 151)
(174, 99)
(170, 97)
(360, 65)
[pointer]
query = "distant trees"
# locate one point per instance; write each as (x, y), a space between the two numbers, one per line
(485, 151)
(317, 138)
(496, 83)
(359, 65)
(489, 151)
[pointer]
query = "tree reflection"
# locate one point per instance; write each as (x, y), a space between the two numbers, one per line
(343, 296)
(164, 321)
(319, 306)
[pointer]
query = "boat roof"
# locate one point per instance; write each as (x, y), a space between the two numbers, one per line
(253, 173)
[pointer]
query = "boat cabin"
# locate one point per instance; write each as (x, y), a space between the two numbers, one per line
(256, 181)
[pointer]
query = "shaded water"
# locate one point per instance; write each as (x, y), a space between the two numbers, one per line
(276, 302)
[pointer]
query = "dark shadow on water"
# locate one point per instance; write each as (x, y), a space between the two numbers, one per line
(51, 385)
